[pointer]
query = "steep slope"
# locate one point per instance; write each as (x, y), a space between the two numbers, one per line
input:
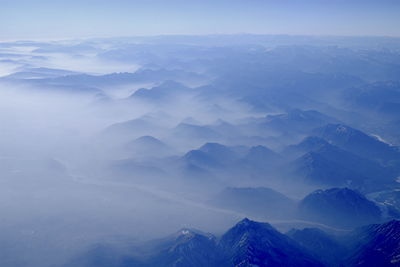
(187, 247)
(251, 243)
(323, 246)
(377, 245)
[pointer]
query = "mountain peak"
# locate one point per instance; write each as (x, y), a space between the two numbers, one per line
(213, 147)
(245, 221)
(251, 243)
(191, 233)
(148, 138)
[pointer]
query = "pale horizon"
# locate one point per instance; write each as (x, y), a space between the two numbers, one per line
(46, 19)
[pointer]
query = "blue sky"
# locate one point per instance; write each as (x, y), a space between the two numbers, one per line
(36, 19)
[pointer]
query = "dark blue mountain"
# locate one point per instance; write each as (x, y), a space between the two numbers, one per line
(251, 243)
(187, 247)
(376, 245)
(314, 169)
(340, 207)
(248, 243)
(322, 246)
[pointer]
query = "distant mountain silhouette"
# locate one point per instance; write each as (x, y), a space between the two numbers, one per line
(297, 120)
(146, 146)
(167, 91)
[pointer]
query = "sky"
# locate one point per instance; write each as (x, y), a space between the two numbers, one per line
(53, 19)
